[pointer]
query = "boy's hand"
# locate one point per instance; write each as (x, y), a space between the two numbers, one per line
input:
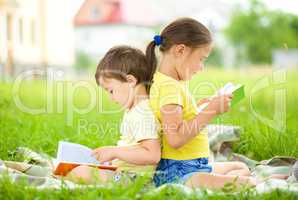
(220, 104)
(105, 154)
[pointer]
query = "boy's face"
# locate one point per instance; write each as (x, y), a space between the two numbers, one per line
(120, 92)
(193, 61)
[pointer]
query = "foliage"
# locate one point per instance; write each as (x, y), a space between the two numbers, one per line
(258, 31)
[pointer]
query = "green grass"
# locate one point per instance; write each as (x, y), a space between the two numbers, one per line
(41, 132)
(136, 190)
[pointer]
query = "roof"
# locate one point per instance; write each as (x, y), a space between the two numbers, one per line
(101, 12)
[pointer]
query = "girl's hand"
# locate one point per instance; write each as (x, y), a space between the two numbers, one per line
(202, 101)
(220, 104)
(105, 154)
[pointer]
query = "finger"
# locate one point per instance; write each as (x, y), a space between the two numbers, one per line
(97, 157)
(229, 95)
(228, 100)
(95, 151)
(94, 156)
(205, 100)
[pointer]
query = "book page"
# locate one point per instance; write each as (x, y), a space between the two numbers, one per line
(228, 88)
(75, 153)
(202, 107)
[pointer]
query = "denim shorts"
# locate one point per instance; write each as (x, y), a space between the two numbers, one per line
(179, 171)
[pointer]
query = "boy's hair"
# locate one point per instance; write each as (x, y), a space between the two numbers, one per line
(121, 61)
(185, 31)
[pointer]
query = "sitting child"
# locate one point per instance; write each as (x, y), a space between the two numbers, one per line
(122, 73)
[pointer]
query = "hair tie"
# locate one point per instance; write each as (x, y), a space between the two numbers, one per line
(157, 40)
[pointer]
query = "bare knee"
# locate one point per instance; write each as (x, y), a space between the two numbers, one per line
(213, 181)
(243, 167)
(89, 175)
(198, 180)
(240, 165)
(80, 173)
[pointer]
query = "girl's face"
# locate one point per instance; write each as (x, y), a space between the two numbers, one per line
(192, 61)
(119, 92)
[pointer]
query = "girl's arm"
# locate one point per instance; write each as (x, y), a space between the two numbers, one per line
(178, 131)
(148, 152)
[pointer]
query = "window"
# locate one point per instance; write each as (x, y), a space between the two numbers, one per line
(21, 31)
(8, 27)
(33, 33)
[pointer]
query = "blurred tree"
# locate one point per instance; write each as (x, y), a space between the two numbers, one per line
(84, 61)
(215, 58)
(257, 31)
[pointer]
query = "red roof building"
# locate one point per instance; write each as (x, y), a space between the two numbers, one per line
(100, 12)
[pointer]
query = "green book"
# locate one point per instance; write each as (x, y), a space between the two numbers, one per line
(237, 91)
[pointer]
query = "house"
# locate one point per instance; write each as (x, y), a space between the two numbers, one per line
(101, 24)
(36, 33)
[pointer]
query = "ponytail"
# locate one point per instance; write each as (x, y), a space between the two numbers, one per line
(151, 59)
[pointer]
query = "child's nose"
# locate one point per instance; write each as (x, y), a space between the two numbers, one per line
(201, 66)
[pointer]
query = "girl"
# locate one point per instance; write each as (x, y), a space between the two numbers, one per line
(123, 73)
(185, 44)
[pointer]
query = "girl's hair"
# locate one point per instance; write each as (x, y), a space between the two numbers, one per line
(121, 61)
(185, 31)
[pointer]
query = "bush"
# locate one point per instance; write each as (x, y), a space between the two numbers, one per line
(257, 31)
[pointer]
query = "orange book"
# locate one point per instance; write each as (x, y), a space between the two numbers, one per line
(71, 155)
(63, 167)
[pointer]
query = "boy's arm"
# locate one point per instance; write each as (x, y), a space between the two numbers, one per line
(148, 152)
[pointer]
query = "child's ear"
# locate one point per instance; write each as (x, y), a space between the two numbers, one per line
(179, 50)
(131, 80)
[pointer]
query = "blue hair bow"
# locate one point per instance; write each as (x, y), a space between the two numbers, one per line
(157, 40)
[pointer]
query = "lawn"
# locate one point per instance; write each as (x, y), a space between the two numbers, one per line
(268, 116)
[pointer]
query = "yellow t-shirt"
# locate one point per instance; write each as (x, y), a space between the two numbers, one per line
(138, 123)
(166, 90)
